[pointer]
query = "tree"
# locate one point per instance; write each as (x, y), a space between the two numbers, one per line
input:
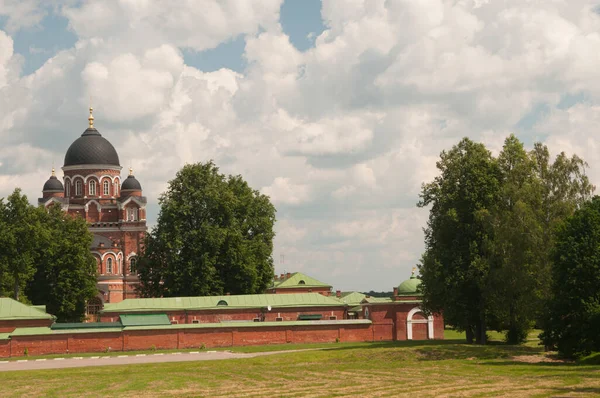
(21, 229)
(455, 266)
(564, 188)
(65, 276)
(513, 291)
(573, 319)
(486, 262)
(214, 235)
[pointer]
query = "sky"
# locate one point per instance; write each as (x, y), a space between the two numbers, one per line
(338, 110)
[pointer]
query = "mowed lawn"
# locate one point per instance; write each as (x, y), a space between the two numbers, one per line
(419, 369)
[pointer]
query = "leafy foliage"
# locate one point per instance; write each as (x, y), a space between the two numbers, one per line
(65, 276)
(486, 263)
(45, 258)
(573, 319)
(214, 235)
(455, 265)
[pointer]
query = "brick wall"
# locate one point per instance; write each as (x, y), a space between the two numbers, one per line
(217, 316)
(183, 338)
(9, 326)
(94, 342)
(38, 345)
(4, 348)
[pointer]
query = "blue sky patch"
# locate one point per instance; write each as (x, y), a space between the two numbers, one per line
(38, 44)
(301, 21)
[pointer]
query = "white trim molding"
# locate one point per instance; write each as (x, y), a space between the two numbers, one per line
(92, 166)
(410, 322)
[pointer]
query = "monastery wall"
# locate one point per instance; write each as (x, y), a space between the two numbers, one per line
(8, 326)
(186, 337)
(217, 316)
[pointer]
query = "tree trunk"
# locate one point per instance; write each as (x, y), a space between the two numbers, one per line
(469, 333)
(17, 287)
(481, 330)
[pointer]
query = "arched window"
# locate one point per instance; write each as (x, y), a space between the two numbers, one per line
(120, 269)
(94, 306)
(132, 265)
(302, 282)
(92, 188)
(106, 188)
(222, 303)
(67, 188)
(116, 189)
(132, 214)
(109, 266)
(78, 188)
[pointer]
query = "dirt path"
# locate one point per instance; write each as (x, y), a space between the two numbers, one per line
(78, 362)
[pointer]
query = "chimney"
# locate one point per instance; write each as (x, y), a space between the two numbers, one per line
(338, 293)
(282, 276)
(395, 291)
(276, 277)
(101, 244)
(288, 275)
(228, 294)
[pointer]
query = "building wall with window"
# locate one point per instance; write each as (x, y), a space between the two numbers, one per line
(114, 208)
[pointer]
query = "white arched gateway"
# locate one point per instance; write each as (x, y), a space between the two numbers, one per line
(410, 322)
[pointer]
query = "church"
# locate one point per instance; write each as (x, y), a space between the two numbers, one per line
(113, 207)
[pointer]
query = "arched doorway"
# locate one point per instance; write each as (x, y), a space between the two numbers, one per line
(419, 326)
(94, 306)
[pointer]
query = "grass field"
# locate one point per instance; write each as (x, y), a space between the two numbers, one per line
(428, 369)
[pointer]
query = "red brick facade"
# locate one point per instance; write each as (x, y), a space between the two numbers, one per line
(391, 322)
(7, 326)
(115, 214)
(219, 316)
(184, 338)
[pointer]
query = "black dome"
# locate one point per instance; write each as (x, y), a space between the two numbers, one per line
(131, 183)
(53, 184)
(91, 148)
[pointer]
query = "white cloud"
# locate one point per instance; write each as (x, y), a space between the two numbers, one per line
(22, 13)
(129, 87)
(341, 136)
(286, 192)
(194, 24)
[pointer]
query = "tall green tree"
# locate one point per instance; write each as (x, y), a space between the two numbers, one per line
(564, 188)
(65, 276)
(488, 246)
(456, 262)
(214, 235)
(513, 291)
(573, 319)
(19, 242)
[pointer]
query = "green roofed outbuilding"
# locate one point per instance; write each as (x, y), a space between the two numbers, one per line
(14, 314)
(298, 282)
(14, 310)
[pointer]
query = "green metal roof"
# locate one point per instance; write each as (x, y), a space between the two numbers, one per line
(41, 308)
(144, 319)
(233, 302)
(298, 279)
(377, 300)
(409, 287)
(253, 324)
(45, 331)
(41, 331)
(12, 310)
(352, 298)
(90, 325)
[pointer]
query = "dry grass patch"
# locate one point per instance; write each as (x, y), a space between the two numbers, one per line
(379, 370)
